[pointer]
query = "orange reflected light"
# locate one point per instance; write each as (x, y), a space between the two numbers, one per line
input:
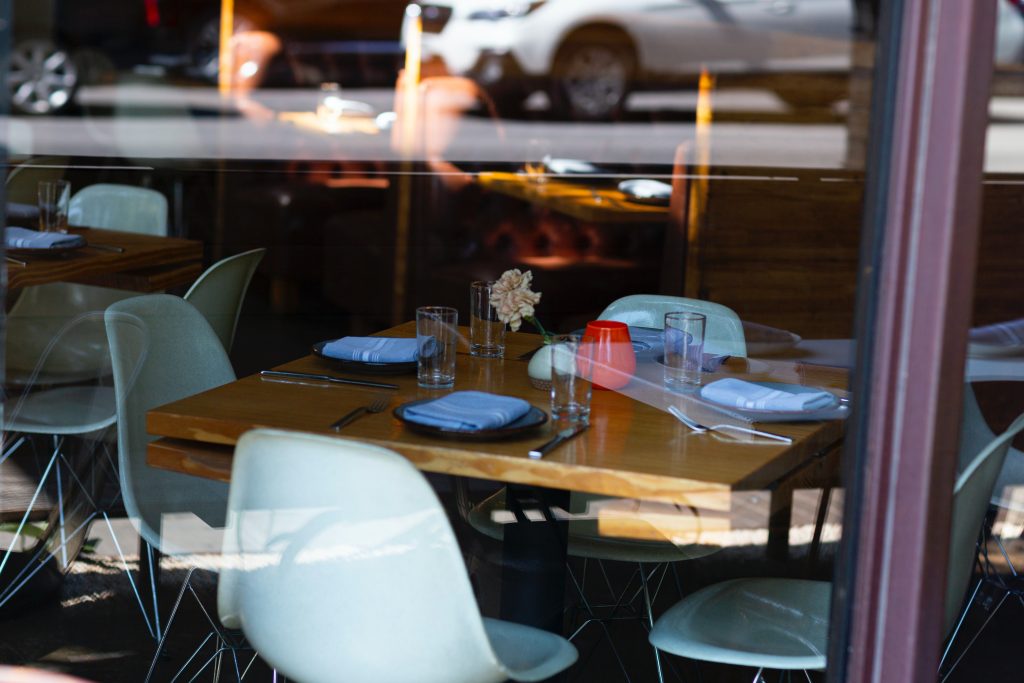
(226, 67)
(699, 188)
(411, 79)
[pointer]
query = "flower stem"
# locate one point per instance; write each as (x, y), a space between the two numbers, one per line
(548, 336)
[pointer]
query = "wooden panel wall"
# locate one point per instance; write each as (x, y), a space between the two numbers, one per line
(780, 247)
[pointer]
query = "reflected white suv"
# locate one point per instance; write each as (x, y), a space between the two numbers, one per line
(589, 54)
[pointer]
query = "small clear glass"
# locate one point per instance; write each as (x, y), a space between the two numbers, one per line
(535, 165)
(486, 332)
(437, 333)
(330, 106)
(571, 370)
(684, 349)
(54, 200)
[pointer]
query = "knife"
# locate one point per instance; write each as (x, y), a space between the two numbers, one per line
(560, 438)
(327, 378)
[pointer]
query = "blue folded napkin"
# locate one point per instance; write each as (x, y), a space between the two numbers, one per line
(372, 349)
(468, 411)
(23, 238)
(737, 393)
(1009, 333)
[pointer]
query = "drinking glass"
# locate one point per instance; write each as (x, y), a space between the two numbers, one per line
(437, 333)
(535, 165)
(572, 357)
(486, 332)
(330, 107)
(54, 198)
(684, 349)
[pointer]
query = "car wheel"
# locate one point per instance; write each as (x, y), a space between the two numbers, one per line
(203, 47)
(42, 78)
(592, 76)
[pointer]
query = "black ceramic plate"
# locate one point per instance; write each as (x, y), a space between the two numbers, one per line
(533, 418)
(362, 367)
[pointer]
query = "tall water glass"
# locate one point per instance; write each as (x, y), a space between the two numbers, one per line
(571, 372)
(684, 349)
(54, 199)
(486, 332)
(437, 332)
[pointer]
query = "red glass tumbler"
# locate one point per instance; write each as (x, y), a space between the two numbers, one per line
(614, 358)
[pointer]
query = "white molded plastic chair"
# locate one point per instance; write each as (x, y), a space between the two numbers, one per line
(783, 623)
(343, 564)
(119, 207)
(724, 333)
(220, 290)
(85, 412)
(172, 352)
(40, 311)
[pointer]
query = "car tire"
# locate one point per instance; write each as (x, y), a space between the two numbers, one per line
(203, 46)
(42, 79)
(592, 75)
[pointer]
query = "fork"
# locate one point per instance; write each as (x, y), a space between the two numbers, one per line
(378, 404)
(698, 427)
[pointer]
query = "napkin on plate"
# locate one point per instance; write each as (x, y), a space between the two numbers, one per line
(468, 411)
(372, 349)
(23, 238)
(1009, 333)
(737, 393)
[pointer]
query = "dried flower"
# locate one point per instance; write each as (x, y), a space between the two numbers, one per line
(514, 301)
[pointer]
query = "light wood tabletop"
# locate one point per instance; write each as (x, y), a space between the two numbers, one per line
(146, 263)
(595, 202)
(632, 449)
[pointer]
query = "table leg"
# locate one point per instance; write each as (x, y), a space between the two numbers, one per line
(533, 569)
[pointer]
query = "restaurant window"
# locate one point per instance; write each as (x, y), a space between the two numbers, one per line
(214, 211)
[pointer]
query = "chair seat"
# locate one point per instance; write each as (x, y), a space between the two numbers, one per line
(64, 410)
(771, 623)
(586, 541)
(528, 653)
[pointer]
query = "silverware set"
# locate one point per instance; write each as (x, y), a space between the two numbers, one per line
(378, 405)
(726, 428)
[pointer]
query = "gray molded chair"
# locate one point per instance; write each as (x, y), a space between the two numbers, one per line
(219, 292)
(22, 184)
(342, 560)
(170, 350)
(119, 207)
(173, 352)
(73, 478)
(724, 333)
(783, 623)
(41, 310)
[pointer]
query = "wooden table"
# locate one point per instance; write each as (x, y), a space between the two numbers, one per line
(632, 450)
(596, 203)
(147, 263)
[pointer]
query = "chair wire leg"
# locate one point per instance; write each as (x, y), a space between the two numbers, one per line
(650, 621)
(194, 654)
(128, 573)
(58, 444)
(758, 678)
(974, 638)
(28, 511)
(170, 620)
(959, 623)
(808, 676)
(591, 618)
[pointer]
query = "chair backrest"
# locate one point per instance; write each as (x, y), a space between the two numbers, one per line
(120, 207)
(971, 496)
(724, 332)
(219, 292)
(40, 313)
(172, 352)
(22, 183)
(340, 558)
